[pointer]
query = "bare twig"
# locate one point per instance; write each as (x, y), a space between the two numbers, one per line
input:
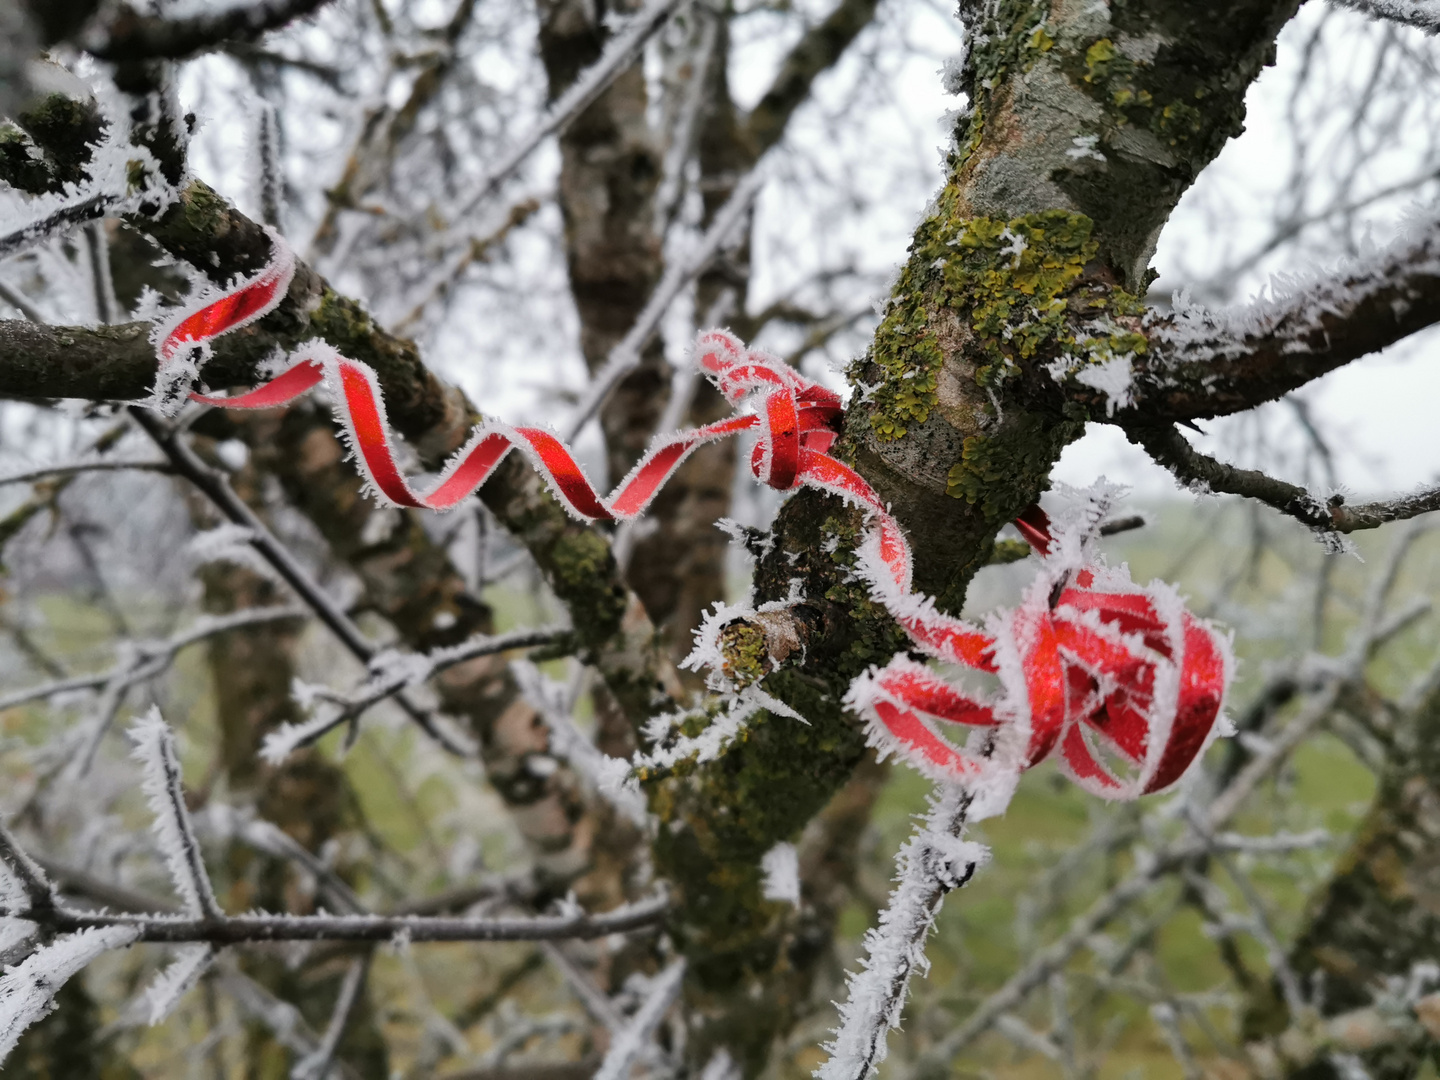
(1172, 450)
(596, 1003)
(97, 248)
(271, 167)
(57, 221)
(1169, 858)
(1116, 526)
(72, 468)
(1202, 363)
(75, 882)
(445, 276)
(155, 657)
(155, 750)
(38, 893)
(316, 1066)
(252, 929)
(218, 490)
(392, 673)
(932, 863)
(16, 299)
(619, 54)
(270, 839)
(631, 1042)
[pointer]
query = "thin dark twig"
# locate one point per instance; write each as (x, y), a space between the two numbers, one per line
(153, 657)
(71, 468)
(347, 708)
(316, 1066)
(1115, 526)
(156, 743)
(250, 929)
(57, 221)
(620, 52)
(74, 882)
(625, 356)
(16, 299)
(1171, 449)
(217, 489)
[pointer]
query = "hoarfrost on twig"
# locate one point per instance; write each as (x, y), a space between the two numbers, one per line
(190, 962)
(155, 750)
(27, 990)
(629, 1044)
(934, 861)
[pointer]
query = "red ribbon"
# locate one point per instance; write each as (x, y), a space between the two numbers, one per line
(1117, 677)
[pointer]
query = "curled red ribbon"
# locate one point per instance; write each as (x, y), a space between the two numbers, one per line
(1124, 681)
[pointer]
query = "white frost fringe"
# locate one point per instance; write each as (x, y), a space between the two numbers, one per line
(933, 861)
(27, 990)
(155, 750)
(177, 980)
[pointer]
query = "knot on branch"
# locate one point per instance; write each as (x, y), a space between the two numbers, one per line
(757, 644)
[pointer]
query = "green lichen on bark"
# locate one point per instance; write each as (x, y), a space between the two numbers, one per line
(1133, 96)
(50, 144)
(744, 654)
(717, 822)
(581, 569)
(1020, 286)
(1002, 473)
(21, 165)
(1008, 36)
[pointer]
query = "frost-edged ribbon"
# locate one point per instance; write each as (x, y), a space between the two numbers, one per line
(1089, 663)
(1125, 682)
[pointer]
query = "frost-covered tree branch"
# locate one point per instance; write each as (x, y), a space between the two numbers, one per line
(1155, 867)
(155, 750)
(203, 921)
(150, 659)
(213, 483)
(391, 673)
(257, 929)
(932, 863)
(1201, 363)
(1172, 450)
(625, 356)
(34, 890)
(619, 54)
(631, 1041)
(1421, 14)
(751, 821)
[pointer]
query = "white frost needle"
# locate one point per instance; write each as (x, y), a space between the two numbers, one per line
(178, 979)
(155, 750)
